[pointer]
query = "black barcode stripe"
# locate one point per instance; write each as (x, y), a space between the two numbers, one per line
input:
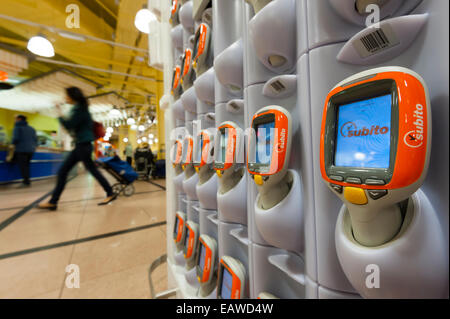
(375, 41)
(278, 86)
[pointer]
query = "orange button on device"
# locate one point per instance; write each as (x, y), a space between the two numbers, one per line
(258, 180)
(355, 195)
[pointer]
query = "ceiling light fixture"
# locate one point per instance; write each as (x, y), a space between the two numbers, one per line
(143, 19)
(39, 45)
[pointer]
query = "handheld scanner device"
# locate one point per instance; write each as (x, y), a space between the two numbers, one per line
(231, 280)
(258, 4)
(191, 240)
(202, 42)
(268, 153)
(176, 81)
(179, 230)
(188, 145)
(206, 259)
(187, 65)
(177, 152)
(228, 146)
(174, 19)
(204, 149)
(375, 147)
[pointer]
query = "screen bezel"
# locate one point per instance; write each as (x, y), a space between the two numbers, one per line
(231, 137)
(261, 120)
(198, 149)
(186, 240)
(200, 269)
(353, 94)
(175, 228)
(220, 280)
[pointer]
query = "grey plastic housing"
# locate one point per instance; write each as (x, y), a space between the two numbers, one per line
(273, 34)
(427, 265)
(189, 101)
(335, 20)
(186, 18)
(204, 89)
(277, 271)
(229, 68)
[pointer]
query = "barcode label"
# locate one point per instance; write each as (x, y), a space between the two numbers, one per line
(278, 86)
(376, 41)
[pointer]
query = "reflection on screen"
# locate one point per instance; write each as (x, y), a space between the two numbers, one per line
(227, 280)
(186, 239)
(177, 221)
(199, 150)
(264, 142)
(223, 145)
(363, 133)
(201, 262)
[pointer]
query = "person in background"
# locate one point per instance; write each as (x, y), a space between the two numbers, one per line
(129, 153)
(25, 142)
(80, 125)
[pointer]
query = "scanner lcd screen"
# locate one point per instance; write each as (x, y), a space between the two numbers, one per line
(175, 230)
(186, 239)
(364, 133)
(223, 145)
(227, 281)
(201, 262)
(264, 142)
(199, 150)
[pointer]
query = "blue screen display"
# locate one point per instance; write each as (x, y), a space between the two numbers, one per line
(227, 281)
(364, 133)
(223, 145)
(264, 142)
(201, 262)
(198, 156)
(186, 239)
(176, 226)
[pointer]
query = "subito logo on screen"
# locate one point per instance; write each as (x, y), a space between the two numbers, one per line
(349, 129)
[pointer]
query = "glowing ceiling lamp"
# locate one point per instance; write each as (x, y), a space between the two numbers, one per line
(141, 128)
(143, 19)
(131, 121)
(133, 127)
(139, 141)
(115, 113)
(125, 140)
(109, 130)
(39, 45)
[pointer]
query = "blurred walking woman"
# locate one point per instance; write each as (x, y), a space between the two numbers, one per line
(80, 125)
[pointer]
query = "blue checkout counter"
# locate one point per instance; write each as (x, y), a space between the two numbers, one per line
(45, 163)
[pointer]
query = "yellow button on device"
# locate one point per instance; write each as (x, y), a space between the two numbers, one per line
(258, 180)
(196, 169)
(194, 64)
(219, 173)
(355, 195)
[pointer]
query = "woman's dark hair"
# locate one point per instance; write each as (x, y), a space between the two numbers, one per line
(77, 95)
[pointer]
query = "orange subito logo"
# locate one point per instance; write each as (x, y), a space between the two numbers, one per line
(349, 129)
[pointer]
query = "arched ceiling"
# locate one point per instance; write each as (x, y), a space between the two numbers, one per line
(117, 68)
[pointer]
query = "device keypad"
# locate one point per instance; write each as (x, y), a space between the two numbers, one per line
(337, 188)
(377, 193)
(372, 181)
(337, 178)
(353, 180)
